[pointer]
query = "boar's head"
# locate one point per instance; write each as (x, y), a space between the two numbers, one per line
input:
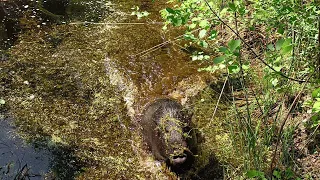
(165, 129)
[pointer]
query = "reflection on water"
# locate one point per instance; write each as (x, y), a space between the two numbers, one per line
(18, 159)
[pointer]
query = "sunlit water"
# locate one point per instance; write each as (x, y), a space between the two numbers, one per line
(155, 62)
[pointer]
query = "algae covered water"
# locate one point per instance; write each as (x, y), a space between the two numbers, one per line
(76, 83)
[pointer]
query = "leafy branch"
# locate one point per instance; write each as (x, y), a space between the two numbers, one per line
(251, 50)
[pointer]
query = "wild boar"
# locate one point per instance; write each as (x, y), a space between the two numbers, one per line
(165, 130)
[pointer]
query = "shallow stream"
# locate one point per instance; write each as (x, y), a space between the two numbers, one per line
(142, 61)
(157, 63)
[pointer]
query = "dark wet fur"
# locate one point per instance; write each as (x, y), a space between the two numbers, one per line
(154, 136)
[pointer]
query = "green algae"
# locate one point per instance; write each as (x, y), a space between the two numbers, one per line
(149, 57)
(62, 93)
(56, 86)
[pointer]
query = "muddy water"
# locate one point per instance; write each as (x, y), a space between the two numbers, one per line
(154, 61)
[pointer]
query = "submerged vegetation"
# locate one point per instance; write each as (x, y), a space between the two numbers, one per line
(248, 71)
(63, 95)
(57, 90)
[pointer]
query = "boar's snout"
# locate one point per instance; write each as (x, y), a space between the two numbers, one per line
(180, 159)
(177, 160)
(181, 163)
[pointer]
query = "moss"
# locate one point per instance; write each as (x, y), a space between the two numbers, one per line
(211, 129)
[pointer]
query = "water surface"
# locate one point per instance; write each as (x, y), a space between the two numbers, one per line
(17, 157)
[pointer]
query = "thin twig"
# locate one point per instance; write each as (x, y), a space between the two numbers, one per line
(152, 48)
(318, 68)
(94, 23)
(215, 109)
(162, 44)
(310, 137)
(187, 50)
(251, 50)
(243, 82)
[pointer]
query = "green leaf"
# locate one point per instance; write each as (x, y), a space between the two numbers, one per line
(192, 26)
(254, 173)
(232, 6)
(202, 33)
(211, 69)
(203, 44)
(176, 21)
(189, 37)
(233, 69)
(278, 59)
(280, 30)
(279, 44)
(316, 93)
(223, 49)
(287, 49)
(170, 10)
(213, 34)
(242, 10)
(236, 53)
(270, 47)
(219, 59)
(287, 42)
(315, 120)
(289, 174)
(316, 107)
(277, 68)
(204, 24)
(287, 46)
(245, 66)
(233, 44)
(277, 174)
(184, 19)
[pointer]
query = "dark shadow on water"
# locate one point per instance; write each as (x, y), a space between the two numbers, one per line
(65, 164)
(212, 171)
(19, 160)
